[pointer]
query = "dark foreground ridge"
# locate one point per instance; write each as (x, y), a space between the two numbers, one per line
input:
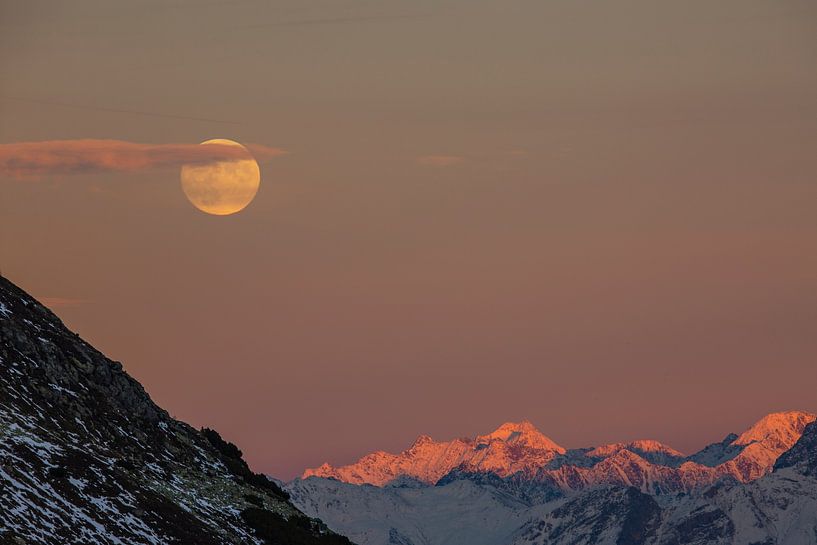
(87, 457)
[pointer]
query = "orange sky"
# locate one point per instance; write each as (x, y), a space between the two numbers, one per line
(596, 216)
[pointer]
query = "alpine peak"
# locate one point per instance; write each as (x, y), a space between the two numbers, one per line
(777, 430)
(520, 433)
(421, 440)
(519, 449)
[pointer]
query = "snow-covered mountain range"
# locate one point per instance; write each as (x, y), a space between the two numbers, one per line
(520, 451)
(87, 457)
(516, 486)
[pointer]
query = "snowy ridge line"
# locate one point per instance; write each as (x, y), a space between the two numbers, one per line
(518, 451)
(779, 508)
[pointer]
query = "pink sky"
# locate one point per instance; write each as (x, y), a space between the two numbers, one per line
(598, 219)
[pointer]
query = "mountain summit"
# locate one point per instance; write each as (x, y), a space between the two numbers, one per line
(630, 493)
(87, 457)
(523, 434)
(520, 451)
(511, 448)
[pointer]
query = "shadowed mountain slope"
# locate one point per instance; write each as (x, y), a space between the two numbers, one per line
(87, 457)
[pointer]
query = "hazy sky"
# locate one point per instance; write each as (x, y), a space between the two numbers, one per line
(599, 216)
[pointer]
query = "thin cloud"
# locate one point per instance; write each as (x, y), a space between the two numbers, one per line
(440, 160)
(333, 20)
(118, 110)
(26, 159)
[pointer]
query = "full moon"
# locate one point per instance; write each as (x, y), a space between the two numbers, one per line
(222, 187)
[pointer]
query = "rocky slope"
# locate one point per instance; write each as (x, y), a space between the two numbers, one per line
(779, 508)
(87, 457)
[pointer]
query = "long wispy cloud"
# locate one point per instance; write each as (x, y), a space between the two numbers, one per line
(440, 160)
(60, 157)
(335, 20)
(98, 108)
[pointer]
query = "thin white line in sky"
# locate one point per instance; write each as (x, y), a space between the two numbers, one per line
(116, 110)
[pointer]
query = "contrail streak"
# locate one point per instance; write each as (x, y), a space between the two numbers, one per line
(117, 110)
(335, 20)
